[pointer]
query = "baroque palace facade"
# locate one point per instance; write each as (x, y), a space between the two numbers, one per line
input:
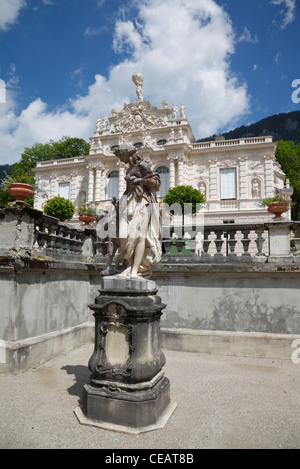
(234, 175)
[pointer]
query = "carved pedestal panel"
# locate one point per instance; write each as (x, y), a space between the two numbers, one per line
(128, 390)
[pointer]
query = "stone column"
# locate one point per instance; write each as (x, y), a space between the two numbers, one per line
(91, 184)
(121, 179)
(243, 189)
(213, 179)
(73, 188)
(180, 171)
(172, 172)
(243, 177)
(98, 184)
(269, 176)
(53, 186)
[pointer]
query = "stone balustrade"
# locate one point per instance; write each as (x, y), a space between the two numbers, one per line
(23, 228)
(277, 241)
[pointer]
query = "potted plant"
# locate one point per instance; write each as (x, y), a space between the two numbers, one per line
(87, 215)
(278, 204)
(21, 186)
(59, 207)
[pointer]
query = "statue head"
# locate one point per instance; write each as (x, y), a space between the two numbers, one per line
(124, 152)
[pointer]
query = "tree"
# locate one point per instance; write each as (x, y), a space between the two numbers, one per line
(288, 156)
(66, 147)
(184, 195)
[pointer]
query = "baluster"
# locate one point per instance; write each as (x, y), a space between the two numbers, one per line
(245, 242)
(59, 238)
(99, 247)
(259, 241)
(42, 236)
(52, 237)
(219, 243)
(167, 246)
(231, 242)
(72, 241)
(205, 244)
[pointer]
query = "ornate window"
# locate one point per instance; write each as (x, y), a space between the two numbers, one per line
(138, 145)
(163, 172)
(112, 187)
(64, 190)
(162, 142)
(228, 183)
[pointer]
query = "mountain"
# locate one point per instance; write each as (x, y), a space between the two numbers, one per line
(6, 169)
(284, 126)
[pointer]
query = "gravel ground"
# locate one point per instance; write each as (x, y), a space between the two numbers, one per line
(222, 403)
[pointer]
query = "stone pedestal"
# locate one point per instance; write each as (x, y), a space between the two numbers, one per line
(128, 390)
(279, 241)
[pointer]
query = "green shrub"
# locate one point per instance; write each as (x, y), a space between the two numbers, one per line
(61, 208)
(185, 195)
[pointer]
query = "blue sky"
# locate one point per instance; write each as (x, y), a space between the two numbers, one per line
(63, 63)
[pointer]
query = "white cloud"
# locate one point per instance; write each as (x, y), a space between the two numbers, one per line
(183, 49)
(246, 36)
(91, 31)
(288, 11)
(9, 11)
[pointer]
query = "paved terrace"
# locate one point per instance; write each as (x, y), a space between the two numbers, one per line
(222, 402)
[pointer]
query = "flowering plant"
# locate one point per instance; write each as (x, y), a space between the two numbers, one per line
(280, 196)
(86, 210)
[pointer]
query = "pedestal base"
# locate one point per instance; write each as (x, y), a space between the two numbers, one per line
(161, 422)
(127, 388)
(127, 408)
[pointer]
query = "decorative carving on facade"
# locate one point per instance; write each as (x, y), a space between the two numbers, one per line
(254, 165)
(227, 164)
(255, 188)
(202, 169)
(63, 178)
(243, 158)
(137, 116)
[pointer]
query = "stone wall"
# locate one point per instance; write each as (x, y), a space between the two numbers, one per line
(45, 292)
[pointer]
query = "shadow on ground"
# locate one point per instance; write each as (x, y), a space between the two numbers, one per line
(81, 375)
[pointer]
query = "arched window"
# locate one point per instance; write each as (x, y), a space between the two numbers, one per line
(163, 172)
(162, 142)
(112, 187)
(138, 145)
(113, 147)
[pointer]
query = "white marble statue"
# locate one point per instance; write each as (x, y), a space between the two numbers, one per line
(182, 111)
(174, 111)
(139, 224)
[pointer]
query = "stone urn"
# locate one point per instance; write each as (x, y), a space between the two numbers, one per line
(278, 208)
(87, 218)
(21, 191)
